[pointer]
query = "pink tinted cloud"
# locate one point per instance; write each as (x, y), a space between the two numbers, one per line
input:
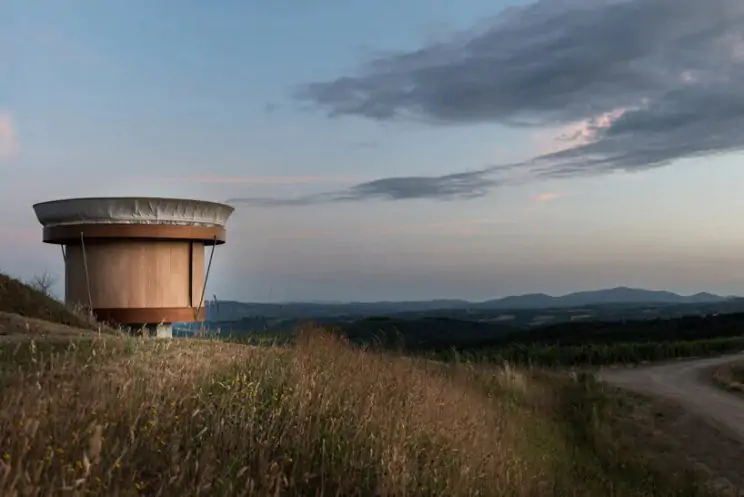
(576, 134)
(546, 197)
(8, 137)
(24, 236)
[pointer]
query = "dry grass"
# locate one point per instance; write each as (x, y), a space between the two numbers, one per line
(15, 328)
(19, 298)
(90, 411)
(179, 418)
(41, 313)
(124, 416)
(730, 377)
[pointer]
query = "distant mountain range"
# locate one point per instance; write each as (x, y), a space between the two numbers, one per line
(231, 310)
(619, 295)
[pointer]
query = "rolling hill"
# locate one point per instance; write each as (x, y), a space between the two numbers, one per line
(232, 310)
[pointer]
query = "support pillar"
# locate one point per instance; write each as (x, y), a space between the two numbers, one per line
(164, 330)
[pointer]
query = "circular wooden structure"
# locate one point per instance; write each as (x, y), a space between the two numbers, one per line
(135, 260)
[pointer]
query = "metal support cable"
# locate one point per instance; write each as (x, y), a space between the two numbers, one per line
(206, 278)
(87, 275)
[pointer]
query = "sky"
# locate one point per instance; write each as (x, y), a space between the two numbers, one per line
(392, 150)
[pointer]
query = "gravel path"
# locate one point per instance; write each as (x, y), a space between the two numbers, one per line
(687, 384)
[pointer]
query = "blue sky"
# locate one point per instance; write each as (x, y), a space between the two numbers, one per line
(200, 100)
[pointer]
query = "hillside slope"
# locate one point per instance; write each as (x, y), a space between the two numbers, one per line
(186, 417)
(19, 298)
(117, 415)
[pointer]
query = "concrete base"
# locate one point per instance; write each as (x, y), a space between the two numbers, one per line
(164, 330)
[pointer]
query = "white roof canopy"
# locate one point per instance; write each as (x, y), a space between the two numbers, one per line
(132, 210)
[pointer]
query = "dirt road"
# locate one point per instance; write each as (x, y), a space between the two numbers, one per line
(685, 383)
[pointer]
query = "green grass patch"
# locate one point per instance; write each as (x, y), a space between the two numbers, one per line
(596, 354)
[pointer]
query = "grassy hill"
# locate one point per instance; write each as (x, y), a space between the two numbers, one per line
(117, 415)
(19, 298)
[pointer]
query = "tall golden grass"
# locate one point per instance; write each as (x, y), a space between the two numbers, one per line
(120, 416)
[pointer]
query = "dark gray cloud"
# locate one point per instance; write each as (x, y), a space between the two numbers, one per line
(470, 184)
(555, 61)
(675, 67)
(685, 122)
(447, 187)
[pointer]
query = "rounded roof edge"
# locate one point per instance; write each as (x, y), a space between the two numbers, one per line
(132, 210)
(74, 233)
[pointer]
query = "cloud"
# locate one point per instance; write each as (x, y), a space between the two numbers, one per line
(460, 185)
(8, 138)
(577, 133)
(448, 187)
(555, 61)
(546, 197)
(632, 84)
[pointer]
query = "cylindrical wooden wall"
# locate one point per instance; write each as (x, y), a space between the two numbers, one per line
(137, 281)
(135, 260)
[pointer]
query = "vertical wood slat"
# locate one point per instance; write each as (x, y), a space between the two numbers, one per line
(191, 274)
(133, 274)
(197, 265)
